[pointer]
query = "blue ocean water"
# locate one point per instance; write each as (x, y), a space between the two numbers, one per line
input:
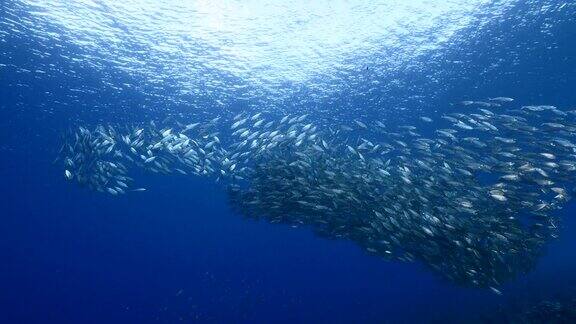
(178, 252)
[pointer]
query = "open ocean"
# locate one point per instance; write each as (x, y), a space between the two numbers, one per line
(184, 250)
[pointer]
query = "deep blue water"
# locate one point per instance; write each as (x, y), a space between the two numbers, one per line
(179, 253)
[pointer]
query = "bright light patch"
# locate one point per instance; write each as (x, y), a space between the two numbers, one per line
(208, 47)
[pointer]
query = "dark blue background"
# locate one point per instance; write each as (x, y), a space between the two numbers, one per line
(177, 252)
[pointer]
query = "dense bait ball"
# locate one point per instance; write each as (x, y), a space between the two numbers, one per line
(474, 200)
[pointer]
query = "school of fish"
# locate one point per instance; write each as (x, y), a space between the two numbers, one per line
(474, 199)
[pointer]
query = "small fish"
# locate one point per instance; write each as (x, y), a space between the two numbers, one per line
(502, 99)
